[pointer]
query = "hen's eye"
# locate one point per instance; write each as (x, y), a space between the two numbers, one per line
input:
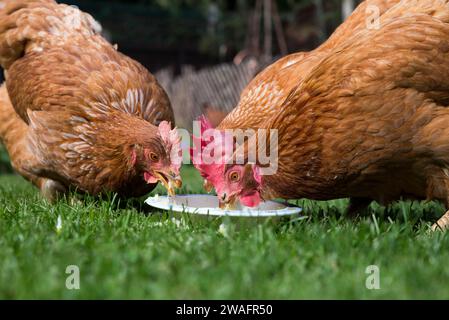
(234, 176)
(154, 157)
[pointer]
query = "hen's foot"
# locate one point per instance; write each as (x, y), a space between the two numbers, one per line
(442, 224)
(52, 190)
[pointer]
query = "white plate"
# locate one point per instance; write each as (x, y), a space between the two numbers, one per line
(203, 204)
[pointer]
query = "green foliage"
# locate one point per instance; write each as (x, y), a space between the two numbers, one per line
(124, 253)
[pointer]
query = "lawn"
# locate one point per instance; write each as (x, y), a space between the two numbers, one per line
(125, 250)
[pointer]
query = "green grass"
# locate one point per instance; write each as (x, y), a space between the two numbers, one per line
(124, 252)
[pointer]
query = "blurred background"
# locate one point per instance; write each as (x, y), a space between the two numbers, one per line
(204, 52)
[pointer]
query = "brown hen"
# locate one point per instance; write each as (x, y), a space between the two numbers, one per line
(81, 114)
(263, 97)
(370, 120)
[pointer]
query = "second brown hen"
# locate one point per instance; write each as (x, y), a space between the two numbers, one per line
(369, 121)
(263, 98)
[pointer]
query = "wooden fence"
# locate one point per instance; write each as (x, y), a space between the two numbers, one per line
(218, 87)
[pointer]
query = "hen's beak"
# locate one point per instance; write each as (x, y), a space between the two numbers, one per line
(170, 181)
(226, 202)
(208, 186)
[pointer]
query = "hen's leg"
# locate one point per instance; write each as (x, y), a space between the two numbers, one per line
(22, 161)
(442, 224)
(357, 206)
(52, 190)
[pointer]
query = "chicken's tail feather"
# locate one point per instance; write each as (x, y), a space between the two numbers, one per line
(34, 25)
